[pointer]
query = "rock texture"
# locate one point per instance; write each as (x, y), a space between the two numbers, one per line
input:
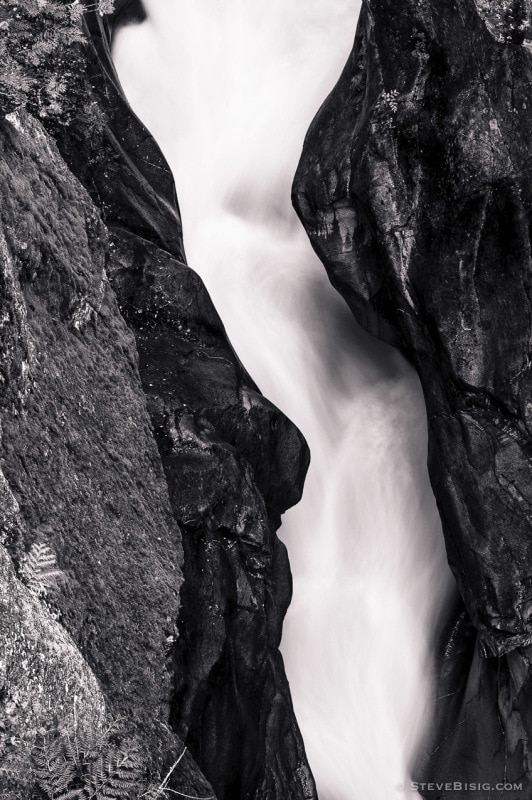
(137, 448)
(42, 674)
(230, 459)
(233, 464)
(82, 472)
(415, 189)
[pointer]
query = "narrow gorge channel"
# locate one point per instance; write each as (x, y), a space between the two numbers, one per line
(229, 89)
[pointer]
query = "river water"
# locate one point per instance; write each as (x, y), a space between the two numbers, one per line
(228, 88)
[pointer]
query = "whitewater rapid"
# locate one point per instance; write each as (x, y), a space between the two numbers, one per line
(228, 88)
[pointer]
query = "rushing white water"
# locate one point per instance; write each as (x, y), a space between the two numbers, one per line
(229, 87)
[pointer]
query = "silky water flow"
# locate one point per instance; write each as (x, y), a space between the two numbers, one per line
(229, 88)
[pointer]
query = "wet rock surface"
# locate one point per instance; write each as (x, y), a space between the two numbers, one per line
(414, 187)
(229, 474)
(141, 452)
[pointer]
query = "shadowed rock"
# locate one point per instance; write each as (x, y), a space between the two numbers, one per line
(415, 189)
(233, 463)
(127, 12)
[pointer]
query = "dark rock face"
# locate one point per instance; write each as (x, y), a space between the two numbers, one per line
(127, 13)
(232, 464)
(415, 189)
(82, 472)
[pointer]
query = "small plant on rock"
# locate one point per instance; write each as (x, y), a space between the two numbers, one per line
(43, 60)
(87, 766)
(39, 570)
(74, 765)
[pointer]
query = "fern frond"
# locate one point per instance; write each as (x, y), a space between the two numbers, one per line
(88, 766)
(57, 781)
(115, 775)
(70, 748)
(39, 570)
(89, 743)
(71, 794)
(96, 774)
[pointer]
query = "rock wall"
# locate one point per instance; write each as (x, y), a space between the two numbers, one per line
(83, 476)
(415, 189)
(139, 451)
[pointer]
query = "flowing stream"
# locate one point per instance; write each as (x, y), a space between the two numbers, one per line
(228, 88)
